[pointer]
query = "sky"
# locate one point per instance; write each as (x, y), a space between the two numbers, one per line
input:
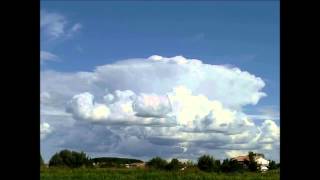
(172, 79)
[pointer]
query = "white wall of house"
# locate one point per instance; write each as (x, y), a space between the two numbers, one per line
(263, 163)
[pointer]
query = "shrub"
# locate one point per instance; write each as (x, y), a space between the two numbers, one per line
(207, 163)
(157, 163)
(69, 159)
(190, 163)
(41, 161)
(272, 165)
(174, 165)
(229, 165)
(252, 164)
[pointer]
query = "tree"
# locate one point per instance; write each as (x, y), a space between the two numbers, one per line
(174, 165)
(41, 161)
(80, 159)
(71, 159)
(272, 165)
(157, 163)
(66, 157)
(56, 160)
(207, 163)
(217, 166)
(252, 164)
(189, 163)
(230, 165)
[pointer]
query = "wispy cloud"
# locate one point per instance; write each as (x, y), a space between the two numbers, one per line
(54, 25)
(199, 36)
(47, 56)
(196, 37)
(76, 27)
(266, 112)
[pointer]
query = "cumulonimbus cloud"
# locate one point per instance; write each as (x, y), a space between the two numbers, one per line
(169, 102)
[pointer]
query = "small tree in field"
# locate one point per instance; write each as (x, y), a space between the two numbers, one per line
(190, 163)
(207, 163)
(230, 165)
(41, 161)
(71, 159)
(157, 163)
(272, 165)
(174, 165)
(56, 160)
(217, 166)
(252, 164)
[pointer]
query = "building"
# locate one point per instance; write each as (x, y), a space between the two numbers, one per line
(259, 158)
(241, 159)
(263, 163)
(139, 165)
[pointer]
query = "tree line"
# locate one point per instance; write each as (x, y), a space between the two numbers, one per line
(73, 159)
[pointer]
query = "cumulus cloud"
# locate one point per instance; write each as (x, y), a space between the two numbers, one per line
(182, 106)
(44, 97)
(82, 106)
(45, 129)
(230, 86)
(151, 105)
(121, 107)
(270, 132)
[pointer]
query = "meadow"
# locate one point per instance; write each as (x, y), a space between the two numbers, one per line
(148, 174)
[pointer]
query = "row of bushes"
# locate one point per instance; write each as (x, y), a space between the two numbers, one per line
(209, 164)
(206, 163)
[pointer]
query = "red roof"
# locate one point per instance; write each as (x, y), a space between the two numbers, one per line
(241, 158)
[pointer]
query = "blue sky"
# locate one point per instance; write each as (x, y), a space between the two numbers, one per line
(243, 34)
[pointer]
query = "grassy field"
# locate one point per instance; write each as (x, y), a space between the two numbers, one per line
(130, 174)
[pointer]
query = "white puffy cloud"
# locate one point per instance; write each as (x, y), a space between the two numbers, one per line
(45, 129)
(83, 107)
(270, 132)
(44, 97)
(121, 107)
(188, 111)
(197, 111)
(182, 105)
(151, 105)
(231, 86)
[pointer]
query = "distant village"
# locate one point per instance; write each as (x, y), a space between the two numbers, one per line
(254, 162)
(259, 158)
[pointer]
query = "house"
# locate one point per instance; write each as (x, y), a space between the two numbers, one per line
(241, 159)
(263, 163)
(259, 158)
(135, 165)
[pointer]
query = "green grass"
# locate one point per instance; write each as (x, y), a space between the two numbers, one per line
(130, 174)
